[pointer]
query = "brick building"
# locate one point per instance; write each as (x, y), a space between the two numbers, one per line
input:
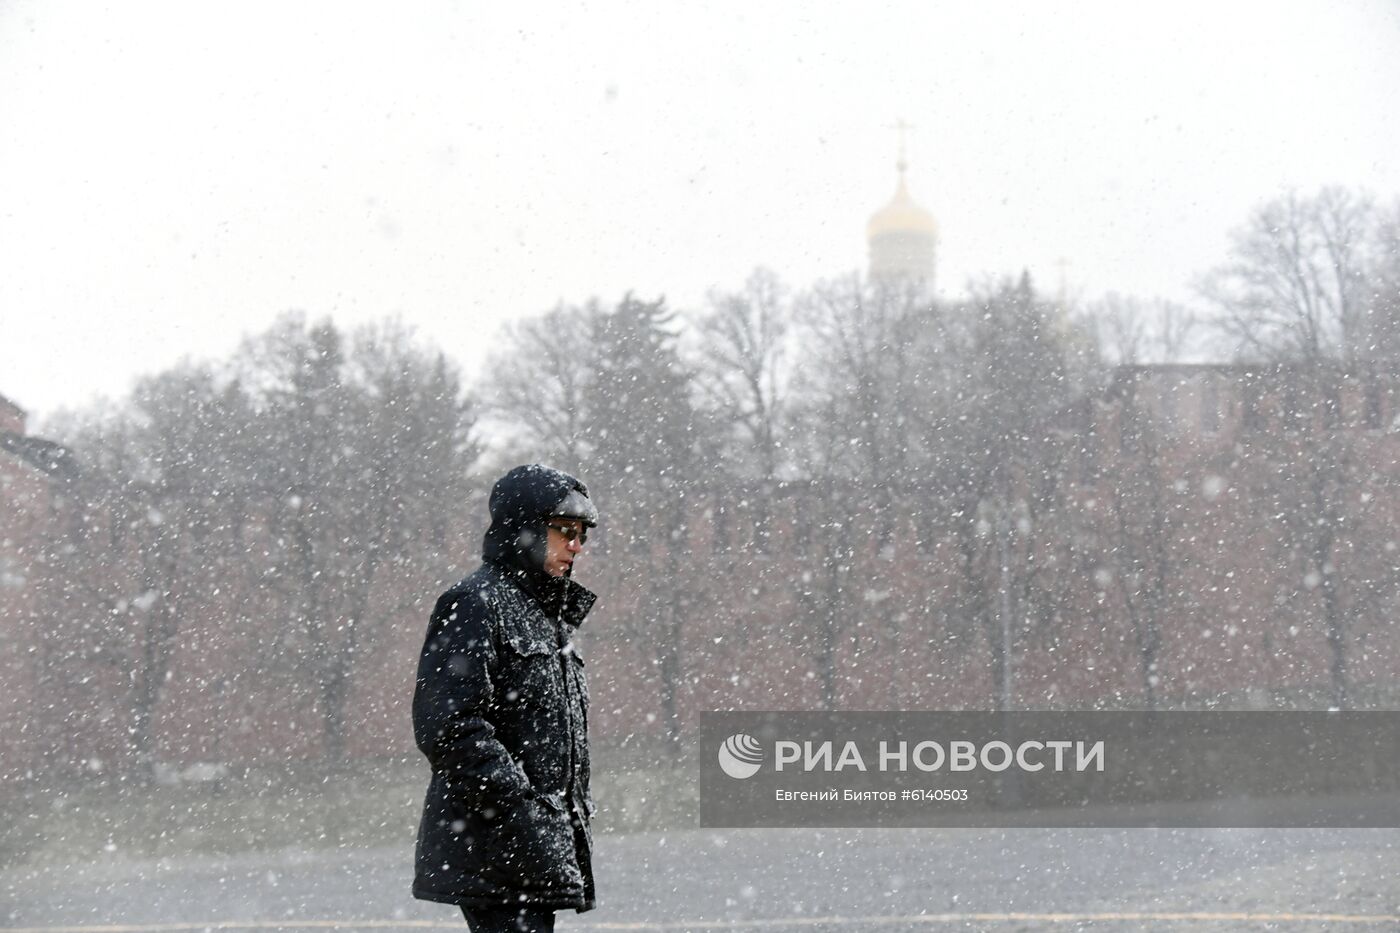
(34, 511)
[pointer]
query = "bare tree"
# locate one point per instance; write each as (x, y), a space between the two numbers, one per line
(158, 531)
(536, 381)
(1143, 521)
(742, 342)
(873, 377)
(1294, 287)
(742, 349)
(410, 430)
(1003, 461)
(857, 406)
(1131, 330)
(1383, 309)
(1294, 292)
(365, 447)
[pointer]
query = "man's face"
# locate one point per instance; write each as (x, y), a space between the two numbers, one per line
(561, 552)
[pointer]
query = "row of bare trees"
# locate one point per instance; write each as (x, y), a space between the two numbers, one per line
(327, 478)
(1314, 284)
(1308, 302)
(254, 522)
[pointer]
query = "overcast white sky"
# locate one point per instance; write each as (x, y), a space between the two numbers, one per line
(173, 176)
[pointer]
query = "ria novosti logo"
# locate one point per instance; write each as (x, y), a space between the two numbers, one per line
(741, 756)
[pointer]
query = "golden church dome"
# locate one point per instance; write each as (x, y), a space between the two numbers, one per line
(903, 239)
(901, 216)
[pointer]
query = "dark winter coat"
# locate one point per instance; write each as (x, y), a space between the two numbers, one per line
(501, 712)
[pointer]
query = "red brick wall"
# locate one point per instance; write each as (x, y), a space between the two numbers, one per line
(746, 639)
(26, 523)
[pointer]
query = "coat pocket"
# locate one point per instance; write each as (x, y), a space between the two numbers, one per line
(531, 674)
(528, 646)
(532, 847)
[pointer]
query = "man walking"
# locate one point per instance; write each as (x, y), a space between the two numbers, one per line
(501, 712)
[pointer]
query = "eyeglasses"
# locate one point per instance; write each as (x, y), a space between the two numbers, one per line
(570, 532)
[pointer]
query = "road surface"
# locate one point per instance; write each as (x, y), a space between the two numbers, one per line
(780, 880)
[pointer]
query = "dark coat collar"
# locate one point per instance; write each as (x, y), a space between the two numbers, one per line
(558, 597)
